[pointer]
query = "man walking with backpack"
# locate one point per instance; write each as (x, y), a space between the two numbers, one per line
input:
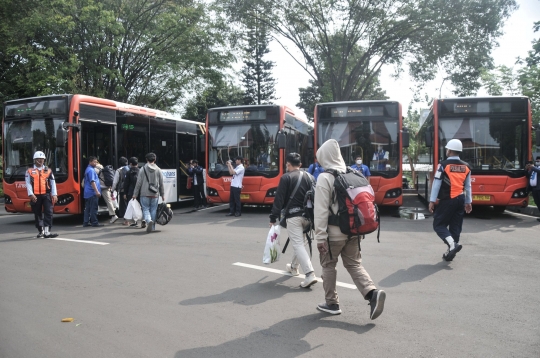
(332, 242)
(106, 179)
(290, 195)
(150, 186)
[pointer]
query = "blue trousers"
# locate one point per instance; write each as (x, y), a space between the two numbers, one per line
(149, 208)
(90, 210)
(448, 218)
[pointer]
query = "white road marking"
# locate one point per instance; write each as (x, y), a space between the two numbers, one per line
(285, 273)
(513, 213)
(81, 241)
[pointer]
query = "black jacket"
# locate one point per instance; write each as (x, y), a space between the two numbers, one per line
(198, 171)
(130, 181)
(287, 183)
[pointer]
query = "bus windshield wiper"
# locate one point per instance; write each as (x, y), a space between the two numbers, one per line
(17, 167)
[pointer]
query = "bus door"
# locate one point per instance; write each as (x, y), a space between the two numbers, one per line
(98, 140)
(187, 150)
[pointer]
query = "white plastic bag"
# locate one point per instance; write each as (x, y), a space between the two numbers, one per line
(272, 250)
(133, 210)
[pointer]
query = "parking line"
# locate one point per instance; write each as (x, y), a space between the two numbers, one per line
(81, 241)
(285, 273)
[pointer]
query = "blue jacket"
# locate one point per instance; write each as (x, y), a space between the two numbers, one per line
(90, 176)
(315, 169)
(362, 169)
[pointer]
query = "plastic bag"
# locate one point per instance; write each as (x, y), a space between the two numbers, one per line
(133, 210)
(272, 249)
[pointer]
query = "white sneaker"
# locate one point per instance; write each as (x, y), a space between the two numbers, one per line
(309, 281)
(293, 271)
(113, 219)
(149, 226)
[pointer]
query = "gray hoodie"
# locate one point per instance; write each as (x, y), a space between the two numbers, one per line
(154, 175)
(329, 156)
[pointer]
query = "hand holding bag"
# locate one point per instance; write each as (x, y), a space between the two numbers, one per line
(271, 249)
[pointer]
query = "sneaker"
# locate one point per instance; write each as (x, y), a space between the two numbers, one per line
(143, 224)
(377, 303)
(309, 281)
(150, 226)
(332, 309)
(40, 235)
(113, 219)
(292, 270)
(50, 235)
(538, 219)
(133, 224)
(450, 254)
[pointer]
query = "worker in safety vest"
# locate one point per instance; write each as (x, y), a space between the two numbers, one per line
(452, 186)
(41, 189)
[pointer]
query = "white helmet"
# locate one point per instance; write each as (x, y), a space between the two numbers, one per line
(39, 155)
(455, 145)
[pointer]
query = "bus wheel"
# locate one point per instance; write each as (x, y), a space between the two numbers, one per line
(499, 209)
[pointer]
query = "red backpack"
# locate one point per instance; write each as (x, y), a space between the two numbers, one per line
(357, 213)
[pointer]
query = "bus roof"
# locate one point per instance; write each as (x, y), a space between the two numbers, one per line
(355, 102)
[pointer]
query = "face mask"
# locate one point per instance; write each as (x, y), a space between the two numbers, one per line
(359, 162)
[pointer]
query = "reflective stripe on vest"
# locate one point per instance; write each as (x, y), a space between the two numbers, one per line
(40, 180)
(453, 179)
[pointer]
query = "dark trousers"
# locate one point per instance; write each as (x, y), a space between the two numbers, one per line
(234, 201)
(43, 211)
(90, 210)
(536, 197)
(122, 205)
(198, 194)
(448, 218)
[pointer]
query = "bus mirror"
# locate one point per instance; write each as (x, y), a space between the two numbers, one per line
(310, 142)
(429, 137)
(281, 140)
(405, 138)
(61, 137)
(538, 137)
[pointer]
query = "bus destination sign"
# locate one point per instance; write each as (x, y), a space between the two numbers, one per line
(242, 115)
(354, 111)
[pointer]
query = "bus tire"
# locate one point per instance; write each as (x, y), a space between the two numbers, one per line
(499, 208)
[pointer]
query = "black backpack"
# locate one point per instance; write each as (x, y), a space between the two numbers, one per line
(309, 202)
(164, 214)
(122, 172)
(107, 175)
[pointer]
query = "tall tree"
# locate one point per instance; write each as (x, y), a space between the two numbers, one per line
(501, 81)
(143, 52)
(529, 76)
(257, 72)
(356, 38)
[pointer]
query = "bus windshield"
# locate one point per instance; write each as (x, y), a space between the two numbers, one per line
(26, 136)
(253, 142)
(375, 141)
(489, 144)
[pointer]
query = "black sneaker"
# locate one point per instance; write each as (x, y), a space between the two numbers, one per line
(450, 254)
(377, 303)
(50, 235)
(40, 235)
(332, 309)
(143, 224)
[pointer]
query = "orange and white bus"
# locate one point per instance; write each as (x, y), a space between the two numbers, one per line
(70, 128)
(262, 135)
(372, 130)
(496, 137)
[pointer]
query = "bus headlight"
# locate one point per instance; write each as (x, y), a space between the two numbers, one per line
(65, 199)
(393, 193)
(7, 199)
(271, 192)
(211, 192)
(520, 193)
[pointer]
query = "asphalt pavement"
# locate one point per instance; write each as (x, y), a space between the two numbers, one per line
(198, 288)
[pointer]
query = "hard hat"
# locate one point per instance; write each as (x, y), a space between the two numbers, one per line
(39, 155)
(455, 145)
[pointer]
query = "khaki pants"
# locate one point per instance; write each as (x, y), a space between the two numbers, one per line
(352, 261)
(295, 229)
(108, 200)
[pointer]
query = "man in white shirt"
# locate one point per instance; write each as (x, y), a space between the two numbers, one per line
(236, 186)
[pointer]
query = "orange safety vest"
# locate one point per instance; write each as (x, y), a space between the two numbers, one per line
(453, 178)
(40, 180)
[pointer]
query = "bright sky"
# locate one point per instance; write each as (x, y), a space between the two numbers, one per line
(516, 41)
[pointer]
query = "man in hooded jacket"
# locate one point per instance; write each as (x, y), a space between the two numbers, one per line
(150, 177)
(330, 158)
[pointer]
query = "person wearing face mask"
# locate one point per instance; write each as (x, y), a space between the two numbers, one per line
(533, 171)
(452, 186)
(362, 168)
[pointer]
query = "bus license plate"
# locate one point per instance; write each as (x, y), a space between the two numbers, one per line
(481, 197)
(244, 196)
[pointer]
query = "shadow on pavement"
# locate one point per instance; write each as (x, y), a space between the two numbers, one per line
(249, 295)
(283, 339)
(413, 274)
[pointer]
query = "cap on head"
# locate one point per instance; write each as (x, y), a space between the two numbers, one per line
(455, 145)
(39, 155)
